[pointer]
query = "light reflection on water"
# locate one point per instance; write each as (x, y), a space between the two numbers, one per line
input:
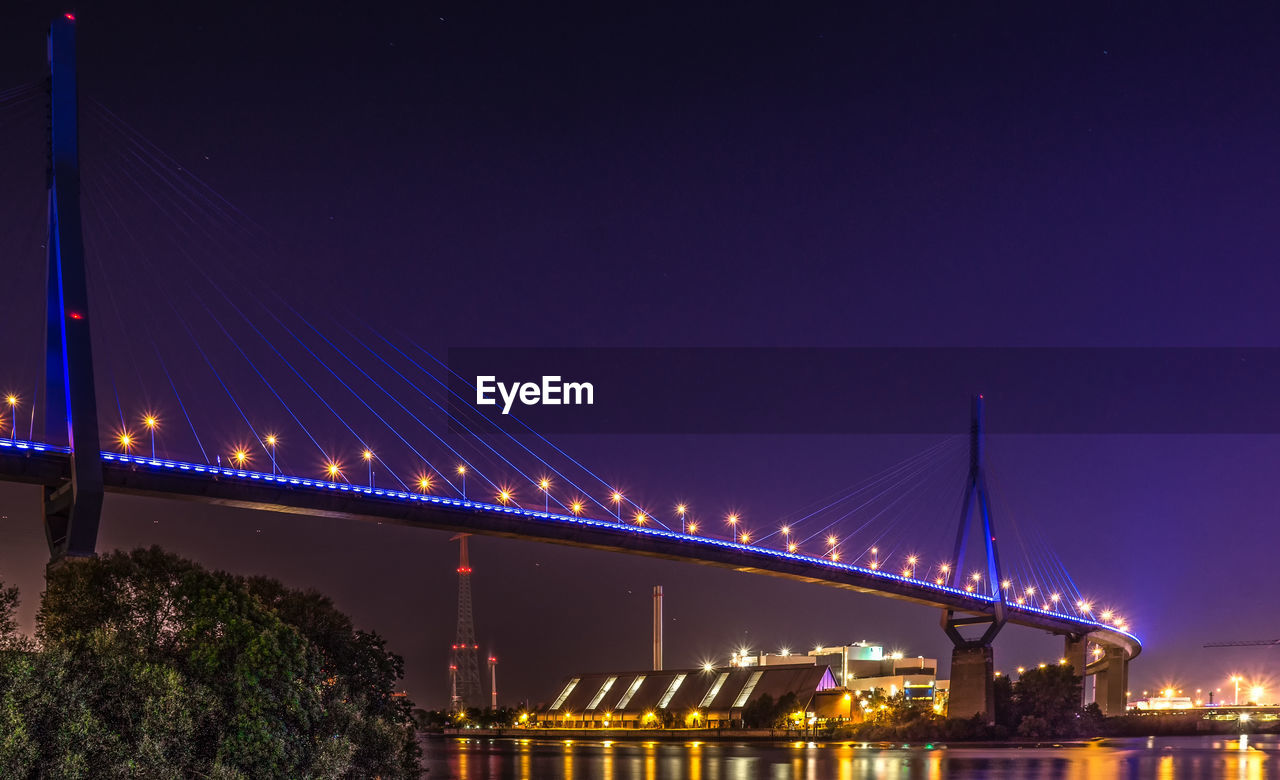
(1242, 757)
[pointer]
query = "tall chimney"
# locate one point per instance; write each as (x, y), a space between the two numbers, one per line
(657, 628)
(493, 681)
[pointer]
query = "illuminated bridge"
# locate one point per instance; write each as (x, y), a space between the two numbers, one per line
(863, 539)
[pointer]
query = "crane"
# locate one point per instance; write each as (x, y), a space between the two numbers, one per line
(1246, 643)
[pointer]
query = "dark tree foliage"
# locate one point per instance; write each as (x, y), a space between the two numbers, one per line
(1047, 701)
(1006, 714)
(149, 665)
(765, 712)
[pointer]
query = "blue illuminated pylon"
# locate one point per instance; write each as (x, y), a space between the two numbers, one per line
(71, 510)
(972, 684)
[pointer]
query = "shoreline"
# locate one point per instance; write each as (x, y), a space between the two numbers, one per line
(775, 736)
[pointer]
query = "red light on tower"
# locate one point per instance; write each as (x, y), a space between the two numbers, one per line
(75, 315)
(70, 17)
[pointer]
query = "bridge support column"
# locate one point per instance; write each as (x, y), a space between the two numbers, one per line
(972, 683)
(1073, 649)
(71, 511)
(1112, 682)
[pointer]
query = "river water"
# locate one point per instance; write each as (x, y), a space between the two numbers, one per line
(1158, 757)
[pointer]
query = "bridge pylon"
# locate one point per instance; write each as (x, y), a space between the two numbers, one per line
(972, 661)
(72, 509)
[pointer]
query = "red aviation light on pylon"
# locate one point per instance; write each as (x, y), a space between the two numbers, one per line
(464, 569)
(70, 16)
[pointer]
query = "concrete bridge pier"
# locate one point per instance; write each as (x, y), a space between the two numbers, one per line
(1112, 682)
(1074, 648)
(972, 683)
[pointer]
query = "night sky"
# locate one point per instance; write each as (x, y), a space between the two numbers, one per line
(1081, 175)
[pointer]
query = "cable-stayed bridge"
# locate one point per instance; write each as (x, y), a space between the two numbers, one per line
(126, 386)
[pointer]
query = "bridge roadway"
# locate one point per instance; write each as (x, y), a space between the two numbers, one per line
(49, 465)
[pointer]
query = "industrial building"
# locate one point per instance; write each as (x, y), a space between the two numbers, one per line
(689, 698)
(862, 668)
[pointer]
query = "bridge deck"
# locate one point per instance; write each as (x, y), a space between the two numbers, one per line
(50, 466)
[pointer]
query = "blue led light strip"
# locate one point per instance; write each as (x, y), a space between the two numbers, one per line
(322, 486)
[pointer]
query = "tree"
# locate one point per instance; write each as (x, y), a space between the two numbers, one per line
(9, 599)
(151, 665)
(1006, 713)
(759, 713)
(1047, 701)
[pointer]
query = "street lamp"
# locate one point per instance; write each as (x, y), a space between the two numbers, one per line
(424, 483)
(681, 509)
(368, 459)
(125, 440)
(733, 525)
(272, 440)
(240, 457)
(545, 484)
(151, 422)
(462, 472)
(1237, 679)
(616, 498)
(12, 400)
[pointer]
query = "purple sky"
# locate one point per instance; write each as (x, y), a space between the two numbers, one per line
(1073, 175)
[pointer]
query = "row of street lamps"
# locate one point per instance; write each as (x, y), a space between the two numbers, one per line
(505, 495)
